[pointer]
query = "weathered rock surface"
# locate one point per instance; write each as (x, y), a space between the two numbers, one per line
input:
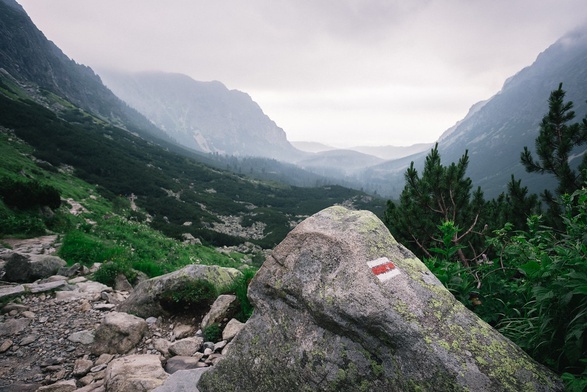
(134, 373)
(182, 381)
(340, 305)
(232, 329)
(219, 310)
(118, 334)
(145, 300)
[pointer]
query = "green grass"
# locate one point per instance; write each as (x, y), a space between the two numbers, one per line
(108, 231)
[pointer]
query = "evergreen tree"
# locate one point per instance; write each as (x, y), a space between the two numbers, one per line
(440, 195)
(554, 146)
(514, 206)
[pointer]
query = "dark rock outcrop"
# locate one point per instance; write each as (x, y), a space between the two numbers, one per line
(340, 305)
(28, 268)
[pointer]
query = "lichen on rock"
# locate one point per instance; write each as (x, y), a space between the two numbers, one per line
(340, 305)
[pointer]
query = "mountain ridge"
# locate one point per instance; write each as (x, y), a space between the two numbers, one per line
(205, 116)
(495, 131)
(27, 55)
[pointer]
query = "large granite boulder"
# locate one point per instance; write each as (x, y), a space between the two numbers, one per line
(340, 305)
(146, 300)
(28, 268)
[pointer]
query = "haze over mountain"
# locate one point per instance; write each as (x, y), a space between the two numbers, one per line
(27, 55)
(384, 152)
(208, 117)
(205, 116)
(68, 120)
(496, 130)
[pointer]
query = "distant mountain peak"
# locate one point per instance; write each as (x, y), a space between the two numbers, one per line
(205, 116)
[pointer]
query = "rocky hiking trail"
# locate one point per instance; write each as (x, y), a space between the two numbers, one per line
(63, 333)
(339, 305)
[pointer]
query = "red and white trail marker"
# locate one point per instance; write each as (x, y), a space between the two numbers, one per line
(383, 268)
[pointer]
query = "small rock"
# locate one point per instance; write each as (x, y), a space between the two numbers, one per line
(28, 314)
(52, 368)
(186, 347)
(66, 296)
(5, 345)
(79, 279)
(85, 306)
(28, 339)
(12, 306)
(86, 380)
(114, 297)
(60, 386)
(83, 337)
(151, 320)
(122, 284)
(213, 359)
(13, 326)
(182, 380)
(98, 368)
(220, 345)
(232, 329)
(82, 367)
(104, 359)
(223, 306)
(162, 345)
(119, 333)
(183, 331)
(134, 373)
(104, 306)
(177, 363)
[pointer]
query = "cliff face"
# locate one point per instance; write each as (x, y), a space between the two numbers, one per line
(205, 116)
(27, 55)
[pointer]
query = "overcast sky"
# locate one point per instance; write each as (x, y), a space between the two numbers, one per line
(341, 72)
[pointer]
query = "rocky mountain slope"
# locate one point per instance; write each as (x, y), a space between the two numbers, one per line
(27, 56)
(205, 116)
(495, 131)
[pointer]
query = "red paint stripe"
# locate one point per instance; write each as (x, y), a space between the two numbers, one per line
(382, 268)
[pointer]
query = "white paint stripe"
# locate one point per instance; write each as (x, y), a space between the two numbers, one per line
(376, 262)
(388, 275)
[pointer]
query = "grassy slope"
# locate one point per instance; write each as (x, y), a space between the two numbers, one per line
(108, 230)
(173, 188)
